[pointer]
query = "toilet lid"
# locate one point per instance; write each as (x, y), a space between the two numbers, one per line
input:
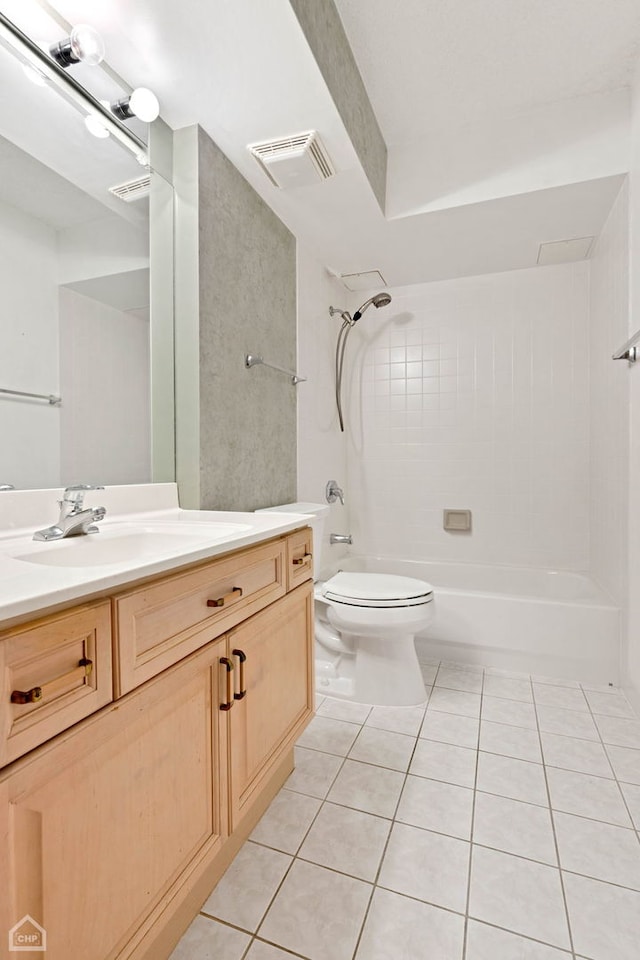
(377, 590)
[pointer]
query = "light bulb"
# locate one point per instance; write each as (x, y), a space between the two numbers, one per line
(84, 44)
(144, 104)
(95, 124)
(87, 44)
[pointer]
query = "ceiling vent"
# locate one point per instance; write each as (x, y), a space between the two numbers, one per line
(133, 189)
(298, 161)
(564, 251)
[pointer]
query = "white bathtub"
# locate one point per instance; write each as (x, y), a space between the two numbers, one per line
(556, 624)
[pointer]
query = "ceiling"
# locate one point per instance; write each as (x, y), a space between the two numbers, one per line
(506, 120)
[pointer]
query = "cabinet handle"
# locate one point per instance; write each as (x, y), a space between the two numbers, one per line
(229, 666)
(36, 694)
(298, 561)
(241, 655)
(234, 594)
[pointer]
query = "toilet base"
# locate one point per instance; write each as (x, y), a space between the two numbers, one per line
(379, 672)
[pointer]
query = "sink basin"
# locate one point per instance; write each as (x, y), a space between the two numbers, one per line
(131, 544)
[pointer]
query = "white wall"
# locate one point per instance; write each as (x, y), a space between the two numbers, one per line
(473, 393)
(30, 429)
(609, 403)
(322, 453)
(631, 651)
(104, 374)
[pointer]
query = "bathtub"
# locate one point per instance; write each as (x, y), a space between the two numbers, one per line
(545, 622)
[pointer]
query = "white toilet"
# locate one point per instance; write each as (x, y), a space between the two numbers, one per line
(365, 628)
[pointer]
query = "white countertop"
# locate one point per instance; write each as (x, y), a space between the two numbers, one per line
(37, 576)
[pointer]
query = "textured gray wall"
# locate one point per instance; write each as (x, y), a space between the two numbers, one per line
(322, 26)
(247, 285)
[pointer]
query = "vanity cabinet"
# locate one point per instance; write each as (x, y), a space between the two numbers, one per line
(113, 833)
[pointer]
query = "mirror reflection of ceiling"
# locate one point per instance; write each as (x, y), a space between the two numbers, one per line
(38, 122)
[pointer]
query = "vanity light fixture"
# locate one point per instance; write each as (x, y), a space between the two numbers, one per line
(83, 44)
(142, 103)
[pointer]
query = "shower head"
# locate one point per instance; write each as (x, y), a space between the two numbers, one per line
(379, 300)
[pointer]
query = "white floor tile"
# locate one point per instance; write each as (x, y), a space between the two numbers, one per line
(444, 761)
(317, 913)
(519, 895)
(346, 840)
(587, 796)
(514, 827)
(622, 733)
(344, 710)
(510, 741)
(455, 701)
(511, 712)
(286, 821)
(382, 748)
(407, 720)
(365, 787)
(550, 696)
(428, 674)
(244, 893)
(426, 866)
(556, 682)
(209, 940)
(450, 728)
(631, 794)
(567, 723)
(314, 772)
(489, 943)
(507, 688)
(610, 704)
(516, 779)
(329, 736)
(436, 806)
(605, 919)
(598, 850)
(264, 951)
(581, 756)
(453, 679)
(626, 763)
(398, 928)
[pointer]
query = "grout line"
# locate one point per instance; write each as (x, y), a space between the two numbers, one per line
(465, 934)
(555, 837)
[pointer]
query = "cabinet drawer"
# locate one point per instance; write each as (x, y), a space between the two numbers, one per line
(55, 672)
(159, 624)
(299, 557)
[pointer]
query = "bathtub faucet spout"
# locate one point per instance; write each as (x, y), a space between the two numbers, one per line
(340, 538)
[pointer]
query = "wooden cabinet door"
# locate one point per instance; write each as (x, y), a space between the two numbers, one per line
(278, 678)
(102, 829)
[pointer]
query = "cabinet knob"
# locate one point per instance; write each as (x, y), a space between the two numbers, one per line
(242, 657)
(298, 561)
(229, 677)
(234, 594)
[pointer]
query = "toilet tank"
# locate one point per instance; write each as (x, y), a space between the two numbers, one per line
(315, 515)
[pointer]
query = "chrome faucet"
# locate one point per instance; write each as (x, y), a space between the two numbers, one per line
(333, 491)
(340, 538)
(74, 519)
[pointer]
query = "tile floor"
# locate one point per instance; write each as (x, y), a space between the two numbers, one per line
(498, 821)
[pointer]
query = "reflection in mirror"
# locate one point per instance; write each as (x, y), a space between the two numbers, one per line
(74, 274)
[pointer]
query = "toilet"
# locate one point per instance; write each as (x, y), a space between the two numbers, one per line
(365, 624)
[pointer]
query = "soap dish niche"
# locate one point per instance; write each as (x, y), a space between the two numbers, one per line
(456, 521)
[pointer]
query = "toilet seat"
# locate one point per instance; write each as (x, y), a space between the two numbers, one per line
(376, 590)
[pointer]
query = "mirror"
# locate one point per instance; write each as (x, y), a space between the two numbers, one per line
(75, 266)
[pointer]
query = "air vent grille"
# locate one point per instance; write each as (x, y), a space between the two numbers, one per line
(296, 161)
(133, 189)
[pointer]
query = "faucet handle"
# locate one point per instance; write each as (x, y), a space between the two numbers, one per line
(75, 493)
(333, 491)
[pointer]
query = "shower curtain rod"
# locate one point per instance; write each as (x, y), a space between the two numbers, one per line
(49, 397)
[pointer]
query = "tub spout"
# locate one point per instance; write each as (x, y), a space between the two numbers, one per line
(340, 538)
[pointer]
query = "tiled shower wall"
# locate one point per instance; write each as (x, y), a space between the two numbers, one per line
(473, 394)
(609, 396)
